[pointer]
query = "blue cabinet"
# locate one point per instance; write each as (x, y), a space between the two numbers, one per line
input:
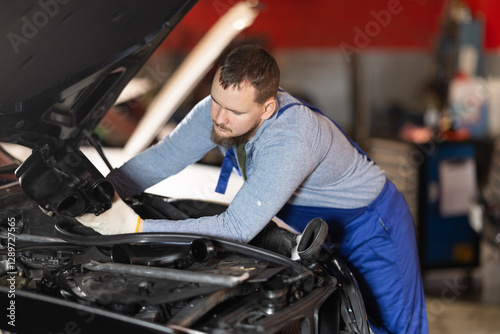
(448, 184)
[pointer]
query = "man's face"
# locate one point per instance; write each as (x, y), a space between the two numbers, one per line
(235, 114)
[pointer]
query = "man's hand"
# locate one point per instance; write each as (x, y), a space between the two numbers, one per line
(119, 219)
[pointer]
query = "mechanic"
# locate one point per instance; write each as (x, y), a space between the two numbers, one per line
(297, 164)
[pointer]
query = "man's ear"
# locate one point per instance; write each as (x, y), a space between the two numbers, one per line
(269, 108)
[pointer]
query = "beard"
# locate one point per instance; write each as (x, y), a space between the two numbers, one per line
(228, 142)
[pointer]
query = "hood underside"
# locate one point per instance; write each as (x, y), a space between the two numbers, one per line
(65, 62)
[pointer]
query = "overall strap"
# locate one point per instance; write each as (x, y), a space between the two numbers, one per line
(288, 106)
(316, 109)
(228, 164)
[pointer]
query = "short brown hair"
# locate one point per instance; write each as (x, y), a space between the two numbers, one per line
(253, 64)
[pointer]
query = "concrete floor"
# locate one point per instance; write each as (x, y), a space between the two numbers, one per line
(460, 301)
(461, 317)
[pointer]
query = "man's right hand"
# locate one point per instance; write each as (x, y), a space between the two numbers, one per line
(119, 219)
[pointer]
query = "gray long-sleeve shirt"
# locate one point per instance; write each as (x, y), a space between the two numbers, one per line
(300, 157)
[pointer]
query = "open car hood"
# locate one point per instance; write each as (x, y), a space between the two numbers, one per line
(64, 63)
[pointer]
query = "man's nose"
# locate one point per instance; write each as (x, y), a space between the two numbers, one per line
(221, 116)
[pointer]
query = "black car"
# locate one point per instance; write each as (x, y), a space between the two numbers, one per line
(63, 64)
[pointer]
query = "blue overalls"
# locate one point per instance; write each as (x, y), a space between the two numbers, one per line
(377, 242)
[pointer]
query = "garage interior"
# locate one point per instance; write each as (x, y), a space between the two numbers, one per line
(415, 82)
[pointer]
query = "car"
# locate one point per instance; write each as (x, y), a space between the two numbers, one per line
(64, 64)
